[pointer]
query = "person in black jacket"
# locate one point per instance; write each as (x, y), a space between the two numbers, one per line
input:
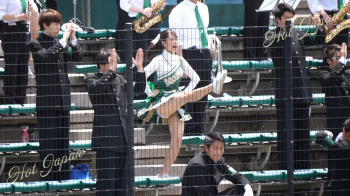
(107, 92)
(302, 95)
(338, 161)
(53, 100)
(205, 171)
(336, 86)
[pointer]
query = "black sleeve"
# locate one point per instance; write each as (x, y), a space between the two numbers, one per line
(140, 82)
(196, 180)
(96, 85)
(43, 55)
(332, 78)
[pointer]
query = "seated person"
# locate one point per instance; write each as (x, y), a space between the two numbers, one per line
(205, 171)
(338, 161)
(336, 86)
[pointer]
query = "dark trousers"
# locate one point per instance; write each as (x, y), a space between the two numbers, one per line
(256, 24)
(51, 4)
(16, 53)
(301, 136)
(201, 62)
(119, 34)
(111, 178)
(54, 129)
(139, 40)
(236, 190)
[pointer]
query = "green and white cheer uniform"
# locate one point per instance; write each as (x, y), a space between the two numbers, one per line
(169, 69)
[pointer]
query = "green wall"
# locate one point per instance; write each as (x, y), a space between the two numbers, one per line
(104, 13)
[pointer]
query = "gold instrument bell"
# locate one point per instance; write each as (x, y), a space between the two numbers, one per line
(340, 24)
(141, 25)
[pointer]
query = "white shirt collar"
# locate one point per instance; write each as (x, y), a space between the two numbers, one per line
(190, 4)
(168, 55)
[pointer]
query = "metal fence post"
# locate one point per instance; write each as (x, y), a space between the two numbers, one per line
(130, 110)
(289, 109)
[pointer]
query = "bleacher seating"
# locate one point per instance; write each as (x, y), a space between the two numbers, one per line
(24, 109)
(253, 176)
(78, 184)
(186, 140)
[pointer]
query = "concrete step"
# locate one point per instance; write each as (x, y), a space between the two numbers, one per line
(81, 100)
(152, 170)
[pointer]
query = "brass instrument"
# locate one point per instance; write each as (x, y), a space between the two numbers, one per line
(341, 24)
(141, 25)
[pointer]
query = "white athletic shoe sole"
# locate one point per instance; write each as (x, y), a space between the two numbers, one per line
(219, 82)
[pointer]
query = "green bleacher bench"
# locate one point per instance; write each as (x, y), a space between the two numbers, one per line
(103, 33)
(282, 174)
(79, 184)
(2, 71)
(238, 30)
(186, 140)
(227, 65)
(34, 146)
(18, 108)
(253, 176)
(92, 68)
(241, 138)
(227, 100)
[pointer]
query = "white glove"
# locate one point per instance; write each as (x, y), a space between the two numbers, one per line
(248, 190)
(339, 137)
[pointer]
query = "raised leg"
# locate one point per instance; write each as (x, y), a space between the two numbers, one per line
(181, 99)
(176, 128)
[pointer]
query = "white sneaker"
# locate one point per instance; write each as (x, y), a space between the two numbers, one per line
(218, 82)
(163, 176)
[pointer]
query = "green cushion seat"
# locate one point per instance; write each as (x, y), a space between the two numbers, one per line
(252, 137)
(226, 100)
(80, 144)
(236, 30)
(318, 98)
(97, 34)
(2, 71)
(4, 109)
(88, 183)
(6, 187)
(257, 100)
(27, 108)
(64, 184)
(14, 147)
(155, 180)
(195, 140)
(219, 30)
(317, 63)
(111, 33)
(265, 175)
(29, 186)
(236, 65)
(92, 68)
(263, 64)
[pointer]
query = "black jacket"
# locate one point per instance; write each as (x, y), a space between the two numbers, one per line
(336, 86)
(51, 73)
(107, 92)
(338, 168)
(300, 82)
(202, 176)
